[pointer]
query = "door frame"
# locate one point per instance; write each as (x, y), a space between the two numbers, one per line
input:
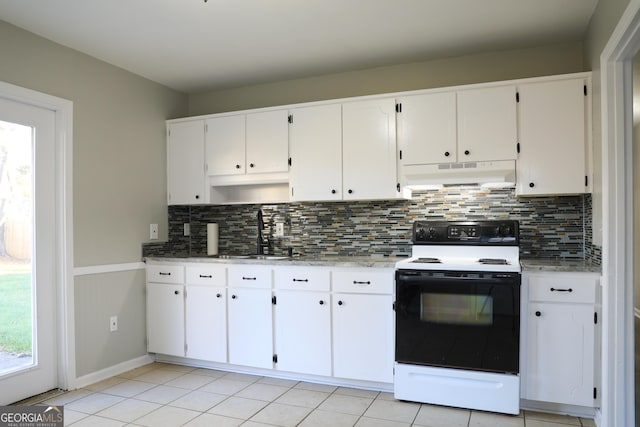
(617, 407)
(63, 140)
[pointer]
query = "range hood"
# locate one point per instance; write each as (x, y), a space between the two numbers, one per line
(500, 173)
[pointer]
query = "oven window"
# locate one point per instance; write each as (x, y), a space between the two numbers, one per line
(457, 309)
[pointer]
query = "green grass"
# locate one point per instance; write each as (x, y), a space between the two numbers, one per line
(15, 311)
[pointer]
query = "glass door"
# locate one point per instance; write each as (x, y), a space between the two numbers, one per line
(28, 352)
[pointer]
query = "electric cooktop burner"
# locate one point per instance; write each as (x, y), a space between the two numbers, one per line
(493, 261)
(428, 260)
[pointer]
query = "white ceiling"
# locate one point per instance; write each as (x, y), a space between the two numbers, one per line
(198, 45)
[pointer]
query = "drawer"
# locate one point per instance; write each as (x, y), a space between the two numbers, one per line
(563, 288)
(165, 273)
(302, 278)
(250, 276)
(214, 275)
(365, 280)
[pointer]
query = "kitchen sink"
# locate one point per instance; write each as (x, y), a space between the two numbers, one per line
(268, 257)
(255, 256)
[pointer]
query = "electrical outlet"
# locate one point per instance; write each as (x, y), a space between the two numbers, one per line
(187, 229)
(279, 229)
(153, 231)
(113, 323)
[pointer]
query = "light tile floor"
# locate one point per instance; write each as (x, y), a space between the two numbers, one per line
(159, 395)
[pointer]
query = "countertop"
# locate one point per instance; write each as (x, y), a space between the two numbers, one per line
(331, 261)
(528, 265)
(571, 266)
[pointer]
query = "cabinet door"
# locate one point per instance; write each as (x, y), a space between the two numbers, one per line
(165, 319)
(267, 142)
(185, 165)
(560, 356)
(303, 332)
(206, 323)
(369, 168)
(427, 129)
(487, 127)
(363, 341)
(315, 143)
(552, 138)
(250, 327)
(225, 145)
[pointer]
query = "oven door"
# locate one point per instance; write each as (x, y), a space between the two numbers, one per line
(467, 320)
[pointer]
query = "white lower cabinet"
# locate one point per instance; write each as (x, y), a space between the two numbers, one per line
(206, 312)
(321, 321)
(362, 326)
(561, 331)
(302, 320)
(250, 316)
(165, 318)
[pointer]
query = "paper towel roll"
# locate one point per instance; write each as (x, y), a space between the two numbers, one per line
(212, 239)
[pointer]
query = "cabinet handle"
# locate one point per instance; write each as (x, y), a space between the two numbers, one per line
(176, 292)
(350, 191)
(164, 274)
(467, 152)
(300, 280)
(447, 154)
(355, 282)
(333, 191)
(234, 296)
(340, 303)
(237, 166)
(531, 185)
(248, 278)
(538, 314)
(321, 302)
(218, 295)
(251, 165)
(204, 276)
(561, 290)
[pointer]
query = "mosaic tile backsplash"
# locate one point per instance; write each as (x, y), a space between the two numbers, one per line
(550, 227)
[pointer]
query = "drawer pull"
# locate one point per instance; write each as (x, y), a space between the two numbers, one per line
(164, 274)
(355, 282)
(321, 302)
(300, 280)
(234, 296)
(218, 295)
(561, 290)
(176, 292)
(538, 314)
(204, 276)
(248, 278)
(340, 303)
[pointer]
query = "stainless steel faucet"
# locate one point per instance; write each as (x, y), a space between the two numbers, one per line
(263, 242)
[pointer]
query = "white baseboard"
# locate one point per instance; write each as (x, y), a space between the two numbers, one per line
(112, 371)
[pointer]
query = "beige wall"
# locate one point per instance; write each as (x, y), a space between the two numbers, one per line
(494, 66)
(98, 297)
(119, 181)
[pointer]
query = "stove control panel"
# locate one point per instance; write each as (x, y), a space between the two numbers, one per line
(496, 233)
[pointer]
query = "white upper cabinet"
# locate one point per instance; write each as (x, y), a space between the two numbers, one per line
(268, 142)
(487, 128)
(316, 153)
(185, 164)
(553, 138)
(369, 150)
(427, 128)
(247, 143)
(225, 145)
